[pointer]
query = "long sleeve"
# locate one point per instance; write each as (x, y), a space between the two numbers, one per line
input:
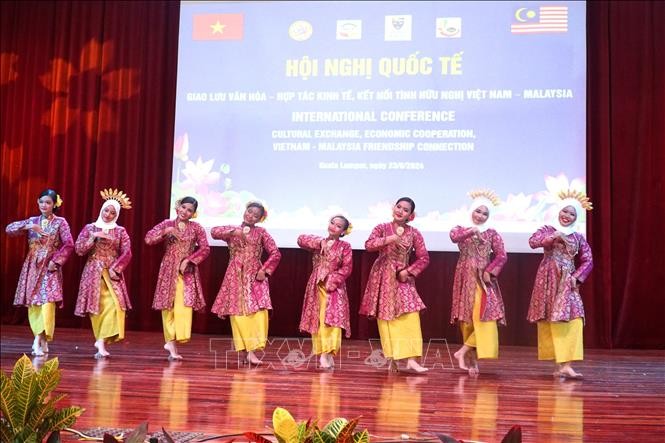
(16, 228)
(542, 238)
(376, 240)
(156, 234)
(422, 256)
(459, 233)
(84, 242)
(340, 275)
(224, 233)
(500, 257)
(62, 254)
(125, 253)
(274, 256)
(585, 260)
(203, 249)
(310, 242)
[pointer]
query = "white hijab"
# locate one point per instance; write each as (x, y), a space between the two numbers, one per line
(578, 211)
(475, 204)
(100, 223)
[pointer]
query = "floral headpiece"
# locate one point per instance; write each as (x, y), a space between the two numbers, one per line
(58, 201)
(114, 194)
(579, 196)
(256, 203)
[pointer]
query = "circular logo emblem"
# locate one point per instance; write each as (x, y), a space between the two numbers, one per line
(300, 30)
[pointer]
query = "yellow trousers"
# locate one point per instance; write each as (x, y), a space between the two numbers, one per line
(482, 335)
(401, 337)
(42, 319)
(328, 339)
(561, 341)
(250, 332)
(177, 322)
(109, 324)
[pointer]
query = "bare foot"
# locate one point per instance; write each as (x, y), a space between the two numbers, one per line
(252, 358)
(459, 355)
(44, 344)
(36, 346)
(323, 361)
(415, 366)
(101, 348)
(331, 360)
(567, 371)
(173, 351)
(473, 363)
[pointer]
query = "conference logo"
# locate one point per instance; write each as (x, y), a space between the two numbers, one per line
(349, 29)
(300, 30)
(448, 27)
(398, 28)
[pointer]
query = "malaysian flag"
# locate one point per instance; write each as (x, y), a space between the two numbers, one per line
(549, 19)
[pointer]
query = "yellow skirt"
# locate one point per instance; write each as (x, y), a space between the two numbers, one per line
(42, 319)
(401, 337)
(109, 324)
(482, 335)
(561, 341)
(328, 339)
(177, 322)
(250, 332)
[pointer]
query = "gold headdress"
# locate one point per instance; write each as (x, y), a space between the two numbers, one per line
(577, 195)
(119, 196)
(486, 193)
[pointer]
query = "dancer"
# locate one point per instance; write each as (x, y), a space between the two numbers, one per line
(178, 291)
(102, 292)
(39, 287)
(477, 302)
(556, 304)
(325, 309)
(245, 293)
(390, 295)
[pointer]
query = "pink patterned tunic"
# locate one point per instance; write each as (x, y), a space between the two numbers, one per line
(555, 295)
(36, 285)
(335, 267)
(102, 254)
(476, 258)
(241, 293)
(192, 245)
(385, 297)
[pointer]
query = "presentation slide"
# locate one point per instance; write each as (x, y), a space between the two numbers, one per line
(320, 108)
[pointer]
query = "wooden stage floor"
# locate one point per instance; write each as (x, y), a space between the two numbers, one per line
(621, 399)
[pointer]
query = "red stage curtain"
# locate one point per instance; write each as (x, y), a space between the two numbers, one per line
(88, 98)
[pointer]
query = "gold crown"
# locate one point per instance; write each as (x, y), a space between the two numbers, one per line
(488, 194)
(579, 196)
(119, 196)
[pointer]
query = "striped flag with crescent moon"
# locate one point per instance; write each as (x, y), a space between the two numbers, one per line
(548, 19)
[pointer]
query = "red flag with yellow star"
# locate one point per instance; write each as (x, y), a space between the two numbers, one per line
(218, 27)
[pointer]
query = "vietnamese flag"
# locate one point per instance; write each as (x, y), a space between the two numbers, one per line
(218, 27)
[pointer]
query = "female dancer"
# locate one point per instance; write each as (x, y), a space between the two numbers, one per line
(326, 307)
(39, 288)
(477, 301)
(178, 291)
(102, 292)
(245, 294)
(391, 295)
(556, 303)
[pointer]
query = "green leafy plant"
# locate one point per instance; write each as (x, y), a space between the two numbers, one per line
(28, 408)
(338, 430)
